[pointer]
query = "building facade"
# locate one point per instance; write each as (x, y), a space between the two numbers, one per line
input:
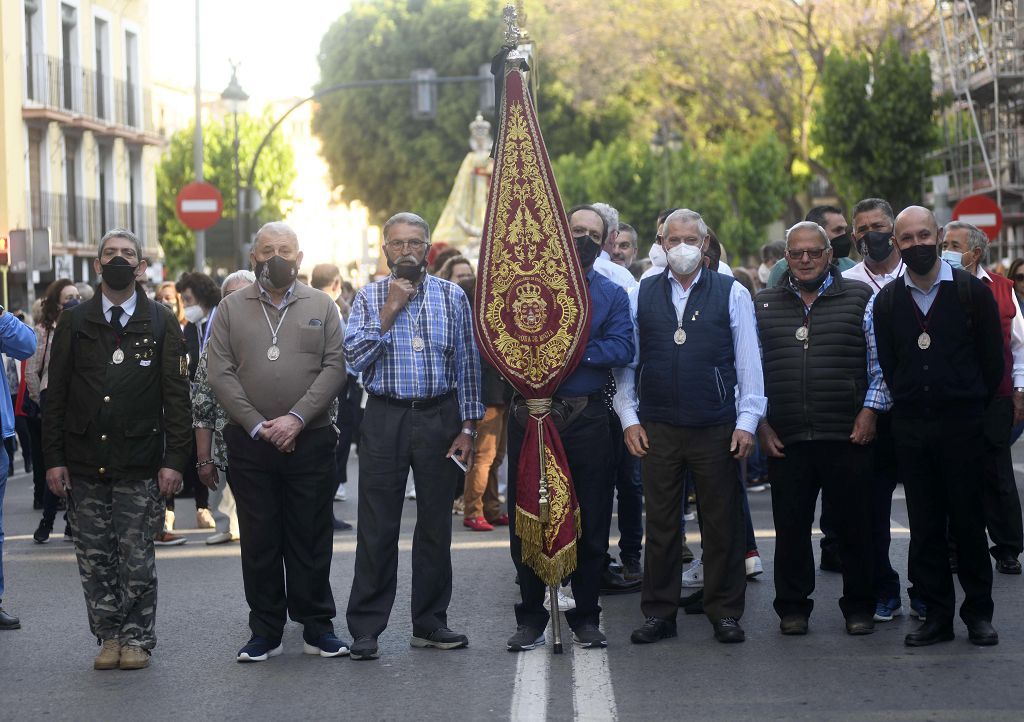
(78, 150)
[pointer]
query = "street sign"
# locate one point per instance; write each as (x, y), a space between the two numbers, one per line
(199, 205)
(980, 211)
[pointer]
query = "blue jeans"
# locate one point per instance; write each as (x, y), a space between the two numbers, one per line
(3, 489)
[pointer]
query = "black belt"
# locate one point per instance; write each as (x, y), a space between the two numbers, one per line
(415, 404)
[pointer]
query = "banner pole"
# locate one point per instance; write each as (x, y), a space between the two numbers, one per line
(556, 621)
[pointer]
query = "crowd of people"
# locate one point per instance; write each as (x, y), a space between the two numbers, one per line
(814, 373)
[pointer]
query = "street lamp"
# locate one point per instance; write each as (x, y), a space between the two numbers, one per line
(234, 98)
(666, 142)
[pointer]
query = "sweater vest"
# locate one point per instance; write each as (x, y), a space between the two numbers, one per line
(1002, 289)
(693, 383)
(815, 387)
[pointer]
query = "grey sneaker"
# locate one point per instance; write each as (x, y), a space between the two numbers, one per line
(364, 648)
(440, 638)
(524, 639)
(589, 636)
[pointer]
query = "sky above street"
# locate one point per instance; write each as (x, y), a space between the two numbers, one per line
(275, 42)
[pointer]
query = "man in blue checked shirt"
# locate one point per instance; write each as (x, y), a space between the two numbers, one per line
(824, 388)
(411, 337)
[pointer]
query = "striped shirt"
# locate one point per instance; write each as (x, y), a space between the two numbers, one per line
(440, 315)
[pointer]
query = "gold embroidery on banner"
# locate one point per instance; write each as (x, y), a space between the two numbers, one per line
(558, 498)
(529, 270)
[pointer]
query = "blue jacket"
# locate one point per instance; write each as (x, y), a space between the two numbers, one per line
(19, 342)
(610, 344)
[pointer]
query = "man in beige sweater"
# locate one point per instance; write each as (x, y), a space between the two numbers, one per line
(276, 363)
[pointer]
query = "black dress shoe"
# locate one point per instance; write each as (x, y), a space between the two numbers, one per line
(653, 630)
(860, 624)
(8, 621)
(793, 624)
(982, 633)
(931, 632)
(693, 604)
(612, 583)
(631, 569)
(728, 630)
(1008, 566)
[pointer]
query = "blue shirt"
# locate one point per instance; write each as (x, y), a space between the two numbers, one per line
(438, 313)
(925, 297)
(19, 342)
(611, 338)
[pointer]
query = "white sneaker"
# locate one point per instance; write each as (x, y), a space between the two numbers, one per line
(341, 494)
(221, 538)
(690, 515)
(754, 566)
(565, 602)
(204, 519)
(693, 577)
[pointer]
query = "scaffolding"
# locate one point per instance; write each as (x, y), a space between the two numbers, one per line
(981, 63)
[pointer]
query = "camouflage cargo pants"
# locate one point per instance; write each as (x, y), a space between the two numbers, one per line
(113, 523)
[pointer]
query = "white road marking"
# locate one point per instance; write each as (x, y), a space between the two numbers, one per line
(592, 694)
(530, 693)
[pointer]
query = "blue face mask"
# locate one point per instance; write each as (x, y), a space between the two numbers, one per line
(956, 260)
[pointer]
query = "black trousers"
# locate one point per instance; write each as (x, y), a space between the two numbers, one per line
(284, 517)
(884, 477)
(630, 490)
(1002, 502)
(586, 447)
(705, 452)
(843, 469)
(350, 414)
(943, 481)
(394, 439)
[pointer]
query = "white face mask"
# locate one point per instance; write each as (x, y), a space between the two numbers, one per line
(684, 259)
(657, 256)
(763, 272)
(194, 314)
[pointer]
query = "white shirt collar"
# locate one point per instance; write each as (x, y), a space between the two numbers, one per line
(128, 307)
(981, 274)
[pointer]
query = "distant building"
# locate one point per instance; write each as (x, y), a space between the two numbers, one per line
(78, 149)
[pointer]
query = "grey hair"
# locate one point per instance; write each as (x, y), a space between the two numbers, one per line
(685, 215)
(610, 216)
(275, 228)
(407, 218)
(809, 226)
(626, 228)
(233, 278)
(120, 233)
(976, 237)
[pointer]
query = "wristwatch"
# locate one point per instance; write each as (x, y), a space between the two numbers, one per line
(470, 432)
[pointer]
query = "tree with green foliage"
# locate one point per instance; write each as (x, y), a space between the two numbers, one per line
(273, 178)
(376, 150)
(876, 123)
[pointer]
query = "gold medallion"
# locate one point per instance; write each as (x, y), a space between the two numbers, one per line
(679, 337)
(924, 341)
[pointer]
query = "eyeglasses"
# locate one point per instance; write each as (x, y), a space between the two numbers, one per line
(811, 253)
(413, 245)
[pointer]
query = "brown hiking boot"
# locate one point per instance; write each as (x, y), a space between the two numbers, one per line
(109, 656)
(134, 657)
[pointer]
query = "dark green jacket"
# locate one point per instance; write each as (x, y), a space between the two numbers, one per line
(117, 421)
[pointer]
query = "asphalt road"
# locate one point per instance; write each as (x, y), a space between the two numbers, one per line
(46, 667)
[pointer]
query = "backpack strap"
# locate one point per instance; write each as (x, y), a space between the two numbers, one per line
(962, 279)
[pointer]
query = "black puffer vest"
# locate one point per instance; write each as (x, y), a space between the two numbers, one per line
(815, 387)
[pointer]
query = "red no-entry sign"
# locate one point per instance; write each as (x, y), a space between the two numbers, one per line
(199, 205)
(980, 211)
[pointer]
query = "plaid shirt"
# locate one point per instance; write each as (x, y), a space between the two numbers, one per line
(439, 313)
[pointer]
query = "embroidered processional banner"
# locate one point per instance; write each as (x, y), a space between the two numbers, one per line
(532, 319)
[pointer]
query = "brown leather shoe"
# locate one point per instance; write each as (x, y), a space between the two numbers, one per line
(109, 656)
(134, 657)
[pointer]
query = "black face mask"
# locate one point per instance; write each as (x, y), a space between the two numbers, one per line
(276, 272)
(409, 271)
(814, 284)
(876, 245)
(117, 273)
(588, 250)
(920, 259)
(841, 245)
(71, 304)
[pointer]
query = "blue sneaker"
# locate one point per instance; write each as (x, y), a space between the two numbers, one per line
(886, 609)
(918, 609)
(259, 649)
(326, 645)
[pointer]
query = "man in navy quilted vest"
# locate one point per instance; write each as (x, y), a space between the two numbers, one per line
(695, 403)
(824, 388)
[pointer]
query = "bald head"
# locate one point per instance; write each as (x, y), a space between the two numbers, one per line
(915, 225)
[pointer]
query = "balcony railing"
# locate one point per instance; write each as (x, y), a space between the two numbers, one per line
(63, 86)
(78, 221)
